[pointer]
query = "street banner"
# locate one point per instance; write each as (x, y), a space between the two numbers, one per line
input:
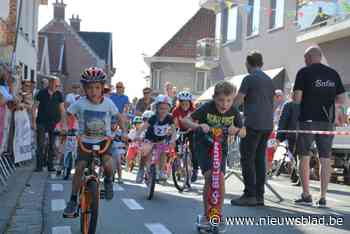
(22, 144)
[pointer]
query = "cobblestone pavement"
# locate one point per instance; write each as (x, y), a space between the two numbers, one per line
(28, 216)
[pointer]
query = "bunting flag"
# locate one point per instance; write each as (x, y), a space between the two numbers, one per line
(345, 5)
(248, 8)
(270, 12)
(229, 3)
(291, 14)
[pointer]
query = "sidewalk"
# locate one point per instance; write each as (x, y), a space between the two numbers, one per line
(10, 195)
(21, 201)
(28, 216)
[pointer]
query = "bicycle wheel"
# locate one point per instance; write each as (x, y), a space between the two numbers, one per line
(89, 208)
(68, 164)
(180, 172)
(151, 181)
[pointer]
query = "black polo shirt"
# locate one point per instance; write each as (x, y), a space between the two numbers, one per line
(49, 107)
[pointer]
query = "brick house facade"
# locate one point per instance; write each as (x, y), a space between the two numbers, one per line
(71, 51)
(175, 61)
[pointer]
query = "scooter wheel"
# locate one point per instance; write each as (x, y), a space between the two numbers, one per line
(214, 230)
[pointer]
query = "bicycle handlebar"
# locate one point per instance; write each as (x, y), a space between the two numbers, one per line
(69, 133)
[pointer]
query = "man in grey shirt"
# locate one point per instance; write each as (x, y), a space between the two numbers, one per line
(257, 94)
(144, 103)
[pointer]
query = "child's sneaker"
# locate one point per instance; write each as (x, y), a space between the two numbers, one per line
(140, 175)
(163, 176)
(322, 203)
(194, 176)
(202, 221)
(304, 200)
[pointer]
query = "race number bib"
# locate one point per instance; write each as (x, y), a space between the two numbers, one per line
(161, 130)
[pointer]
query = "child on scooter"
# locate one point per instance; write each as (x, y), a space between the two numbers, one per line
(218, 113)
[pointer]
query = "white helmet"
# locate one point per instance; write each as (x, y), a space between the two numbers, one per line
(163, 99)
(185, 96)
(147, 114)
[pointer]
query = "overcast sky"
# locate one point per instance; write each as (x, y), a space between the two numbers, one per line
(138, 27)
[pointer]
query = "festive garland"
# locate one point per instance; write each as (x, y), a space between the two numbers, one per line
(344, 4)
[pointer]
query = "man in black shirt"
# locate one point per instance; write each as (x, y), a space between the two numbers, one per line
(317, 88)
(257, 93)
(50, 107)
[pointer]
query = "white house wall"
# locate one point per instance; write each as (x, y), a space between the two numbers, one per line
(26, 54)
(4, 9)
(180, 75)
(27, 47)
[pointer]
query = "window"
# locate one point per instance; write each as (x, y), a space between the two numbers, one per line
(218, 26)
(232, 15)
(32, 75)
(201, 81)
(156, 79)
(209, 83)
(253, 10)
(277, 14)
(25, 75)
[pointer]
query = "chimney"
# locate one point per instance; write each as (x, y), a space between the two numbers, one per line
(59, 10)
(75, 23)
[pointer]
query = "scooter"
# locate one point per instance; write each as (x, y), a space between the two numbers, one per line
(215, 138)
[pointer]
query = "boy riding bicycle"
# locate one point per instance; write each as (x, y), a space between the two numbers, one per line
(218, 113)
(94, 113)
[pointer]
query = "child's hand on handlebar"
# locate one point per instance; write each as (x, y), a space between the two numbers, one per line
(232, 130)
(205, 128)
(242, 132)
(172, 144)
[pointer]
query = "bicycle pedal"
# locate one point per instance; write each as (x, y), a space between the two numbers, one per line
(71, 217)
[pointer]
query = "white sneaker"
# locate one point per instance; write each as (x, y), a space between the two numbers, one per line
(163, 175)
(202, 222)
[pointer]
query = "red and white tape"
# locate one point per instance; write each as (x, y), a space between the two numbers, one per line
(335, 133)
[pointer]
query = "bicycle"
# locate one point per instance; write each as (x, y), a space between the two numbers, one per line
(70, 153)
(181, 166)
(152, 172)
(90, 192)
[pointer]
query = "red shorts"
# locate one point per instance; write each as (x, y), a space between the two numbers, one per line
(133, 151)
(270, 150)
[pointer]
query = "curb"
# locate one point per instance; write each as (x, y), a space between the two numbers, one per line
(27, 216)
(12, 193)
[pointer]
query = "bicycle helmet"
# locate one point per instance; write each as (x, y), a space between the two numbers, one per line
(185, 96)
(137, 120)
(163, 99)
(147, 115)
(93, 75)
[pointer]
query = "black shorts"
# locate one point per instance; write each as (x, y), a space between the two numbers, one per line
(202, 151)
(83, 156)
(323, 142)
